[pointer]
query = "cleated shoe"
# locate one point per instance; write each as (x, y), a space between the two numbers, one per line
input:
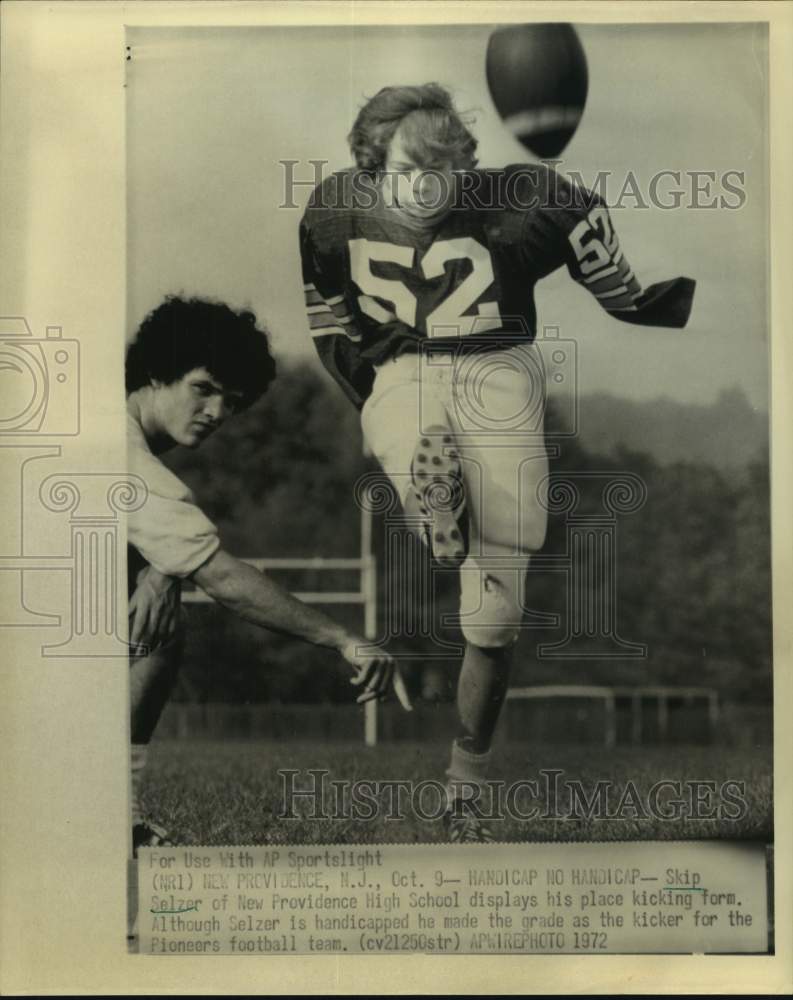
(149, 835)
(463, 826)
(439, 495)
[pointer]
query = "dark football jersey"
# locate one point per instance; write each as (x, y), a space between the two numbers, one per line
(378, 283)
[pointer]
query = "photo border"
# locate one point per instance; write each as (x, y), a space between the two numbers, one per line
(63, 841)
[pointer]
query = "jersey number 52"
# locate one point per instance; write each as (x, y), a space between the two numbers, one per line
(448, 319)
(594, 242)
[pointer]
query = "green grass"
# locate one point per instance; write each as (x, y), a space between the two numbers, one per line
(216, 793)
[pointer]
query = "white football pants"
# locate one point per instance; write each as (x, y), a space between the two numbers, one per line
(493, 406)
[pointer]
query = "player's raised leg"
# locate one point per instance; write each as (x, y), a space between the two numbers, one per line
(406, 426)
(438, 494)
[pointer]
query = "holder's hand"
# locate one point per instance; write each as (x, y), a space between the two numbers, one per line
(153, 610)
(375, 670)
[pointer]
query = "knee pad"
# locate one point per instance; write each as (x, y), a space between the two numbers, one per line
(491, 603)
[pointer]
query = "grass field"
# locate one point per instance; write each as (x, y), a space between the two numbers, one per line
(230, 792)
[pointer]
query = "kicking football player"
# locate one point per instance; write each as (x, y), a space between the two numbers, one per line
(191, 366)
(418, 273)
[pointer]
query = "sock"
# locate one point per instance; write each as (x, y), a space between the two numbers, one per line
(465, 769)
(138, 755)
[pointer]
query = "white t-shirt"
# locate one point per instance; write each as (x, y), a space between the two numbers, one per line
(169, 531)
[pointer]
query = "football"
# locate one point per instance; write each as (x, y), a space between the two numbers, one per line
(538, 79)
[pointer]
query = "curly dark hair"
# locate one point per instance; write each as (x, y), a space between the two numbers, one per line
(183, 334)
(433, 130)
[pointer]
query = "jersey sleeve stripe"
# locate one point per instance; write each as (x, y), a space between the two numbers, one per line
(325, 318)
(626, 280)
(607, 284)
(333, 306)
(618, 309)
(623, 302)
(621, 270)
(614, 293)
(605, 273)
(322, 321)
(337, 331)
(339, 307)
(323, 331)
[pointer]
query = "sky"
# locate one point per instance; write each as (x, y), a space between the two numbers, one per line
(212, 112)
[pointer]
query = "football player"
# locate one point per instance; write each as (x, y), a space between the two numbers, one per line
(418, 273)
(191, 366)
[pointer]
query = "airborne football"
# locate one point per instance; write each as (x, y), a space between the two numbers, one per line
(537, 75)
